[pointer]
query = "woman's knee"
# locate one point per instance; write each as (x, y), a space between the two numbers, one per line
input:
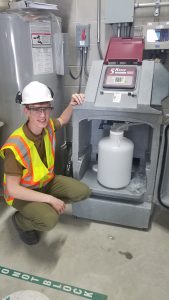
(81, 192)
(42, 216)
(49, 221)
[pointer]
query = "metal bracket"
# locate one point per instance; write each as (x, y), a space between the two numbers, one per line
(157, 8)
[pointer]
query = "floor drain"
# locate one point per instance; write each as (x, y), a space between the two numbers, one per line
(26, 295)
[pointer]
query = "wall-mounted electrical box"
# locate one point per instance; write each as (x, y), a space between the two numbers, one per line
(119, 11)
(82, 35)
(156, 35)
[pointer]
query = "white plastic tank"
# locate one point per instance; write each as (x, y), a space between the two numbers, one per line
(115, 155)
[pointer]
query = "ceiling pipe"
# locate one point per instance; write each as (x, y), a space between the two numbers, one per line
(140, 5)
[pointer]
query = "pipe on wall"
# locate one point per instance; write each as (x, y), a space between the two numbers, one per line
(98, 27)
(140, 5)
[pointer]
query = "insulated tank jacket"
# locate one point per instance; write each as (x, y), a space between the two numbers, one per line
(35, 173)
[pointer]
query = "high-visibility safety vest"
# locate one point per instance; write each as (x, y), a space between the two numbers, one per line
(35, 173)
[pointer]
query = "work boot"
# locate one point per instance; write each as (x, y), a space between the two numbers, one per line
(30, 237)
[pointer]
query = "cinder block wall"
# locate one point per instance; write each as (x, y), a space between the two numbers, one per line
(80, 12)
(75, 12)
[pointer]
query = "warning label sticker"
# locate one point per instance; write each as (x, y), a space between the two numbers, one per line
(42, 54)
(41, 39)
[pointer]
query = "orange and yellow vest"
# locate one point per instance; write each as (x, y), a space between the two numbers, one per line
(35, 173)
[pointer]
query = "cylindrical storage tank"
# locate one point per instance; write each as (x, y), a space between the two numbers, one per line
(115, 155)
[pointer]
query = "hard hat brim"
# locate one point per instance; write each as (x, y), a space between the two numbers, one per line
(36, 102)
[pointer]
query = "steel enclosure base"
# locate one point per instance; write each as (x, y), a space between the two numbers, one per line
(121, 213)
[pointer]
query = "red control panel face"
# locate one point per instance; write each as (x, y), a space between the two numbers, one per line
(120, 77)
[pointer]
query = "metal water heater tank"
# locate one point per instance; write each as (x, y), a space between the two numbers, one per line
(115, 155)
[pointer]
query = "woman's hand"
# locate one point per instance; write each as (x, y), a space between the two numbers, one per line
(57, 204)
(77, 99)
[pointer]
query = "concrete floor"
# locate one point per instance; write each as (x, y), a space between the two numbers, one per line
(118, 262)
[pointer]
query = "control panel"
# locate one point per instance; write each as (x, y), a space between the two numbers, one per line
(120, 77)
(156, 35)
(118, 86)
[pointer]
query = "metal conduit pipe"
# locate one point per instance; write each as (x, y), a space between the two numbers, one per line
(140, 5)
(119, 30)
(98, 27)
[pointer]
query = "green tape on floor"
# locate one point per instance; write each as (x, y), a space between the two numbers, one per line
(52, 284)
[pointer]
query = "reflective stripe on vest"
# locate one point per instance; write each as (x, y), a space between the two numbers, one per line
(35, 173)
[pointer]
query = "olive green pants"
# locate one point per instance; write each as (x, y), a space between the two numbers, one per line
(42, 216)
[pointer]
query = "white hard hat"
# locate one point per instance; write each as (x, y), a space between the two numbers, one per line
(36, 92)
